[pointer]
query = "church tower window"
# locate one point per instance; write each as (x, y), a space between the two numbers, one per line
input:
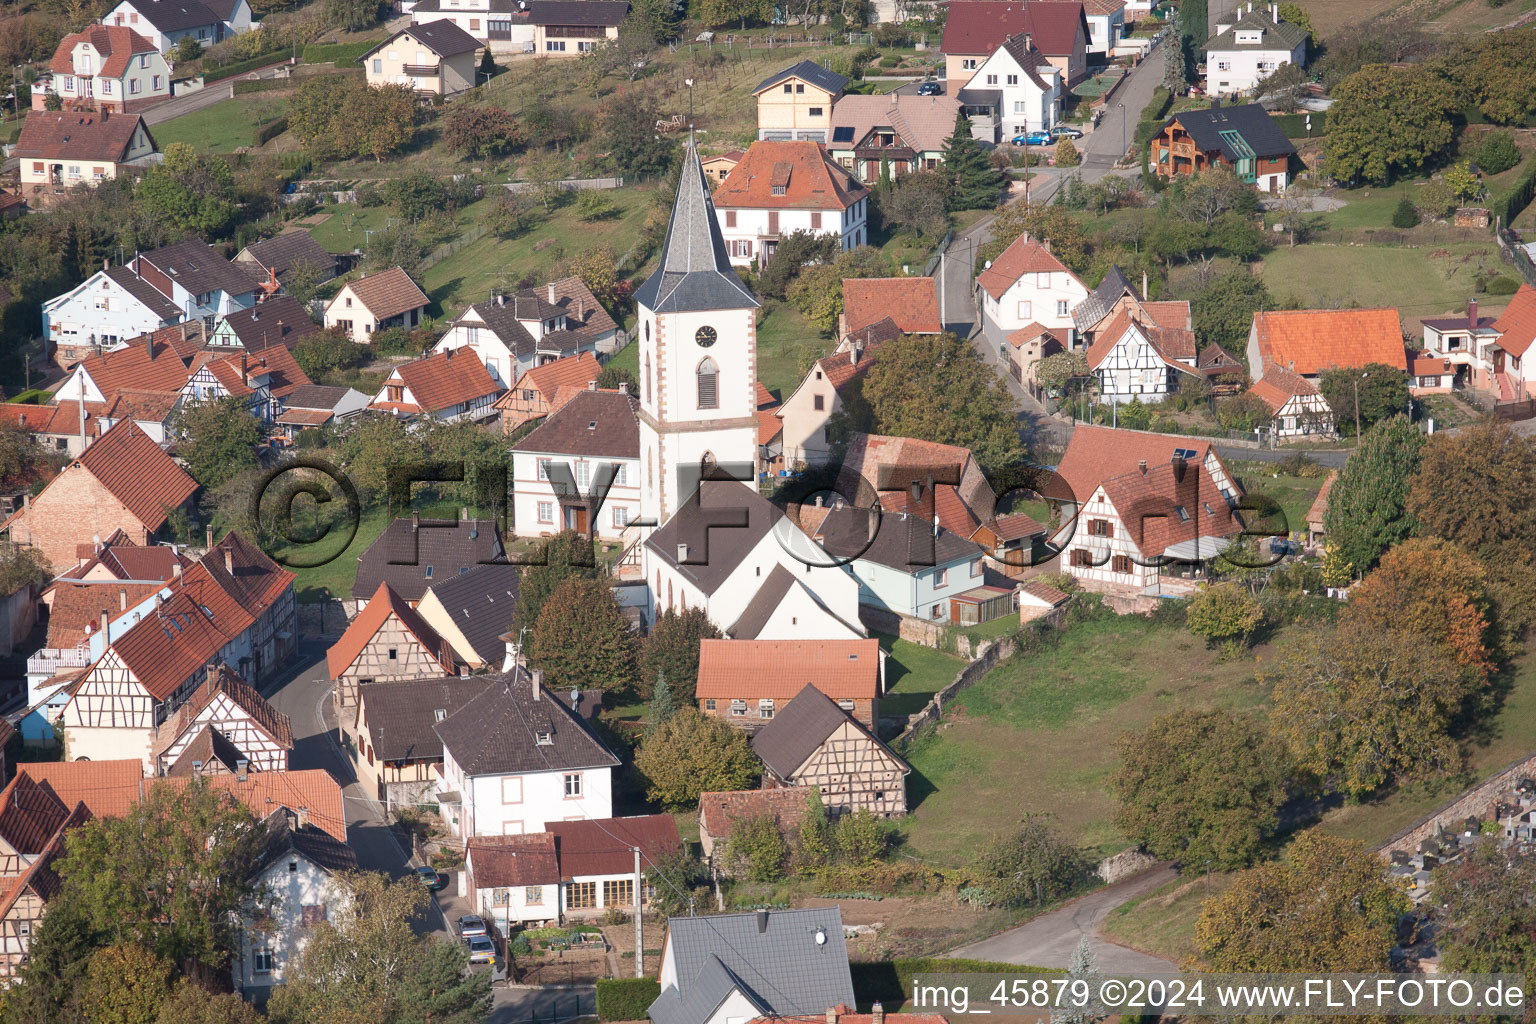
(709, 384)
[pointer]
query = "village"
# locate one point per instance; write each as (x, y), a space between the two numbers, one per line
(702, 513)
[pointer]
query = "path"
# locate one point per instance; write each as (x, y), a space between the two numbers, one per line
(1051, 939)
(176, 106)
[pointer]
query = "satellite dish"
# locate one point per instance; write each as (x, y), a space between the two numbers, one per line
(575, 697)
(821, 937)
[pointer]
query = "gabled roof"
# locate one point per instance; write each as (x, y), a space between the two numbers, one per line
(907, 543)
(779, 669)
(977, 26)
(75, 611)
(1309, 341)
(1174, 345)
(286, 835)
(29, 815)
(387, 293)
(443, 37)
(600, 424)
(912, 303)
(788, 176)
(1278, 386)
(411, 554)
(1319, 507)
(1277, 35)
(282, 252)
(713, 555)
(1517, 325)
(208, 747)
(810, 72)
(497, 732)
(138, 473)
(278, 322)
(315, 396)
(39, 877)
(606, 846)
(795, 732)
(1045, 592)
(719, 812)
(1204, 515)
(136, 286)
(577, 12)
(125, 560)
(225, 683)
(694, 272)
(199, 267)
(890, 465)
(923, 122)
(584, 315)
(1102, 299)
(74, 135)
(1024, 255)
(480, 603)
(576, 371)
(445, 379)
(115, 44)
(1249, 120)
(1096, 454)
(150, 365)
(400, 716)
(384, 605)
(175, 15)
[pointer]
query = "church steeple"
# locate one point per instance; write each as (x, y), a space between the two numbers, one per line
(695, 273)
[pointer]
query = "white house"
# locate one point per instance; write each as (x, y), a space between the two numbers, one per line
(1298, 410)
(1025, 284)
(903, 563)
(198, 280)
(518, 759)
(443, 386)
(377, 302)
(167, 22)
(503, 25)
(1249, 45)
(579, 469)
(780, 187)
(511, 334)
(110, 306)
(1015, 90)
(111, 68)
(1106, 25)
(1136, 357)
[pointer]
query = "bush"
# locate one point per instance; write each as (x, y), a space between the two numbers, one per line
(595, 204)
(1498, 153)
(1509, 206)
(1405, 215)
(520, 945)
(1502, 285)
(625, 998)
(1067, 154)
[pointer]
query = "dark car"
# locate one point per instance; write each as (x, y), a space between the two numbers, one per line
(931, 88)
(434, 880)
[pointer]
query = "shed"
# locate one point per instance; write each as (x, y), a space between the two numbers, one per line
(980, 605)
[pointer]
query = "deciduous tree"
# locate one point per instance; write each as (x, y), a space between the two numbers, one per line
(191, 1003)
(1367, 505)
(1033, 863)
(1432, 589)
(566, 555)
(1383, 392)
(1224, 612)
(755, 850)
(1487, 920)
(481, 130)
(917, 203)
(797, 249)
(124, 984)
(582, 640)
(1053, 224)
(691, 753)
(218, 439)
(1388, 121)
(673, 648)
(629, 134)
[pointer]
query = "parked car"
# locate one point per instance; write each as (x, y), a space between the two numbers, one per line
(471, 926)
(931, 88)
(1033, 139)
(430, 877)
(1065, 129)
(482, 950)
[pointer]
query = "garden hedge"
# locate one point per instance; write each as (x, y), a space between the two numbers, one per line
(625, 998)
(240, 67)
(269, 131)
(1512, 203)
(337, 53)
(888, 981)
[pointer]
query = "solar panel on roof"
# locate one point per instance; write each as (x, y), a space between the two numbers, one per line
(1184, 453)
(844, 134)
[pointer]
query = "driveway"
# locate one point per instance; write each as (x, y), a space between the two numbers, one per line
(540, 1004)
(1051, 939)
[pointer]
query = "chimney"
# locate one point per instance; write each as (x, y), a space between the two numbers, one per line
(106, 626)
(1142, 465)
(877, 1014)
(762, 921)
(242, 769)
(821, 501)
(831, 1015)
(176, 571)
(255, 315)
(281, 330)
(592, 385)
(243, 368)
(1274, 13)
(1472, 313)
(415, 520)
(464, 513)
(1045, 243)
(300, 817)
(229, 561)
(210, 538)
(538, 682)
(1029, 41)
(551, 289)
(1143, 284)
(682, 552)
(122, 600)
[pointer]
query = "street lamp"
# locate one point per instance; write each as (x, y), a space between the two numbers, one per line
(1356, 383)
(689, 83)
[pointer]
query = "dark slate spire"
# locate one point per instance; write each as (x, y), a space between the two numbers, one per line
(695, 272)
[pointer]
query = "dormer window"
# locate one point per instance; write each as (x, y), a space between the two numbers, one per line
(543, 738)
(778, 190)
(438, 714)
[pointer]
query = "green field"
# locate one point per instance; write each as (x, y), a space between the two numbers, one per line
(346, 227)
(223, 127)
(787, 344)
(1294, 493)
(913, 674)
(1337, 277)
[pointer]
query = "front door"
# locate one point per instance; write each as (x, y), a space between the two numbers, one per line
(576, 518)
(1498, 360)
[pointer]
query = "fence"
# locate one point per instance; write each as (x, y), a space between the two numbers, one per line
(938, 254)
(569, 184)
(447, 249)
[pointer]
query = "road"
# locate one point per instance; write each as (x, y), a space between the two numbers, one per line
(1051, 939)
(186, 103)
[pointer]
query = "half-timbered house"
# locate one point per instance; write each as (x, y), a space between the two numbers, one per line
(387, 642)
(25, 895)
(395, 752)
(1297, 408)
(813, 742)
(263, 380)
(29, 816)
(443, 386)
(225, 723)
(748, 682)
(1134, 357)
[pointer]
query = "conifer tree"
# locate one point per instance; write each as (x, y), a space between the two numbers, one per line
(974, 184)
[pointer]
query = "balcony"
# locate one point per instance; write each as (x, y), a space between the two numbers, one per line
(50, 661)
(422, 70)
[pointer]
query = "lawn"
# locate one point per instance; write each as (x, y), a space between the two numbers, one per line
(335, 577)
(1037, 734)
(346, 227)
(787, 344)
(1438, 281)
(223, 127)
(1163, 921)
(913, 674)
(1294, 493)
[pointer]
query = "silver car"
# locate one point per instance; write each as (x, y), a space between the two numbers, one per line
(481, 950)
(472, 925)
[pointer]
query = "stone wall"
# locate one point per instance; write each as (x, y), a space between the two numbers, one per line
(1477, 802)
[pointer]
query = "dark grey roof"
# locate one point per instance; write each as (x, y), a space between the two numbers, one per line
(281, 253)
(758, 610)
(140, 289)
(714, 550)
(1249, 120)
(600, 424)
(695, 273)
(315, 396)
(901, 541)
(480, 603)
(771, 956)
(285, 834)
(1282, 35)
(508, 7)
(280, 320)
(225, 9)
(1027, 56)
(578, 12)
(197, 266)
(443, 37)
(175, 15)
(497, 731)
(403, 556)
(400, 716)
(794, 733)
(812, 72)
(506, 315)
(1102, 299)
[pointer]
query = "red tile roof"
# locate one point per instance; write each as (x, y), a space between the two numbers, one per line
(1025, 255)
(1029, 332)
(108, 788)
(1517, 325)
(1320, 503)
(29, 815)
(574, 371)
(115, 45)
(606, 846)
(380, 607)
(445, 379)
(1176, 345)
(1097, 453)
(719, 812)
(1421, 365)
(245, 696)
(501, 862)
(138, 473)
(779, 669)
(276, 365)
(809, 178)
(912, 302)
(75, 611)
(60, 419)
(980, 26)
(150, 365)
(1160, 489)
(1309, 341)
(69, 135)
(769, 425)
(1045, 592)
(1278, 386)
(387, 293)
(873, 458)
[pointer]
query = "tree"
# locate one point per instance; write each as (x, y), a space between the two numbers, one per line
(1487, 924)
(1405, 214)
(301, 281)
(351, 15)
(917, 203)
(510, 213)
(1329, 906)
(1174, 70)
(1053, 224)
(813, 840)
(370, 447)
(1498, 153)
(327, 352)
(1084, 967)
(1224, 612)
(193, 192)
(797, 249)
(487, 66)
(1388, 121)
(935, 387)
(1211, 193)
(187, 49)
(1367, 510)
(217, 438)
(663, 703)
(974, 184)
(860, 838)
(660, 18)
(584, 642)
(673, 648)
(566, 555)
(416, 195)
(595, 204)
(20, 454)
(1203, 788)
(630, 136)
(691, 753)
(1383, 392)
(1362, 708)
(1433, 589)
(398, 246)
(1031, 864)
(1495, 70)
(193, 1004)
(378, 120)
(1223, 310)
(124, 984)
(755, 850)
(1464, 185)
(313, 109)
(595, 266)
(1066, 153)
(715, 13)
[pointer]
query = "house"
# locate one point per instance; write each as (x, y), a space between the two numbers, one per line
(167, 22)
(108, 69)
(1106, 26)
(1012, 542)
(376, 302)
(311, 406)
(763, 963)
(110, 306)
(1296, 408)
(912, 303)
(1038, 599)
(1249, 46)
(974, 29)
(412, 554)
(1487, 353)
(149, 364)
(747, 682)
(387, 642)
(440, 387)
(904, 563)
(1113, 294)
(472, 610)
(517, 758)
(58, 427)
(200, 281)
(1309, 341)
(1241, 137)
(819, 397)
(1026, 284)
(572, 27)
(300, 869)
(532, 395)
(719, 813)
(433, 57)
(1316, 515)
(923, 478)
(396, 755)
(813, 742)
(263, 380)
(898, 132)
(278, 256)
(226, 726)
(59, 149)
(502, 25)
(1223, 369)
(783, 187)
(1027, 346)
(1096, 454)
(279, 321)
(122, 481)
(716, 167)
(796, 103)
(1015, 90)
(514, 880)
(512, 334)
(36, 820)
(579, 469)
(1135, 357)
(1513, 371)
(235, 606)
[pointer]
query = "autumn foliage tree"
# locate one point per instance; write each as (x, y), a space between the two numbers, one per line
(565, 555)
(481, 130)
(692, 753)
(582, 640)
(1225, 613)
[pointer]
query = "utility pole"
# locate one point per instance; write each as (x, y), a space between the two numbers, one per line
(639, 934)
